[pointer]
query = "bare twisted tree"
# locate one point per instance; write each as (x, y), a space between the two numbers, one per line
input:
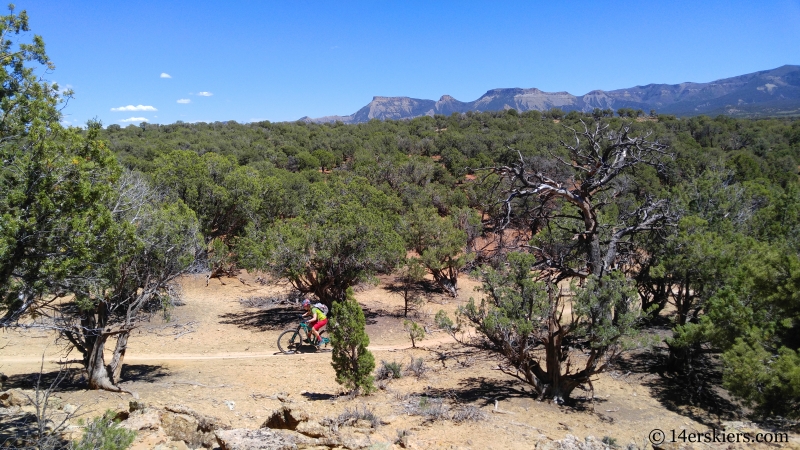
(579, 216)
(565, 212)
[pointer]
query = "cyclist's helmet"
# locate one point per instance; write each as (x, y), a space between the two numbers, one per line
(306, 302)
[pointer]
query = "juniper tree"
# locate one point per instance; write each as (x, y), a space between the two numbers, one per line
(53, 184)
(439, 244)
(580, 213)
(155, 244)
(351, 359)
(343, 234)
(553, 341)
(83, 249)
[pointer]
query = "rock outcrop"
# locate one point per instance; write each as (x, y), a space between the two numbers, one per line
(260, 439)
(171, 425)
(291, 427)
(767, 92)
(570, 442)
(14, 397)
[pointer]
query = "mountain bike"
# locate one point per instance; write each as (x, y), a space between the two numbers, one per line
(290, 341)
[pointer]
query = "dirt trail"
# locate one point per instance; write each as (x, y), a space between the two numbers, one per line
(237, 355)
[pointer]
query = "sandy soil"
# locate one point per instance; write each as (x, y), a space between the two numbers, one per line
(215, 351)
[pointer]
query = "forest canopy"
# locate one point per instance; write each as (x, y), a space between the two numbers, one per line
(719, 265)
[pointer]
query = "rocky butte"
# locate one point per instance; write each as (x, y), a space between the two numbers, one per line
(773, 92)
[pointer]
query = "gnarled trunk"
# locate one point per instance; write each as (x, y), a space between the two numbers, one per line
(101, 375)
(96, 370)
(95, 336)
(446, 281)
(115, 367)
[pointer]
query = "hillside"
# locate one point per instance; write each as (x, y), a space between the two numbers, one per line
(773, 92)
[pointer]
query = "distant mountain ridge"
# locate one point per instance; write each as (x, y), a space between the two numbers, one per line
(773, 92)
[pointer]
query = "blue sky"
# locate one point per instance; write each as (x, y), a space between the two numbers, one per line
(164, 61)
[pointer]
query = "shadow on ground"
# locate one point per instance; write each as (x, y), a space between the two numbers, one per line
(697, 394)
(67, 379)
(373, 316)
(73, 379)
(283, 317)
(276, 318)
(21, 431)
(480, 390)
(317, 396)
(143, 373)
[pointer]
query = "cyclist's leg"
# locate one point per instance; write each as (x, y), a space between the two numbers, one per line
(318, 327)
(323, 337)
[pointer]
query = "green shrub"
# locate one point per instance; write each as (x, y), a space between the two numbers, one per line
(415, 331)
(389, 370)
(351, 359)
(103, 433)
(610, 441)
(444, 322)
(431, 408)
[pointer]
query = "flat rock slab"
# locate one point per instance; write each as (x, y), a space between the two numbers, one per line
(260, 439)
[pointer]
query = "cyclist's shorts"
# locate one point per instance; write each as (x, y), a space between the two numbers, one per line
(320, 323)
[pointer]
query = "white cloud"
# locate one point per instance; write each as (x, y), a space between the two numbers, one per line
(205, 94)
(134, 119)
(184, 100)
(134, 108)
(165, 75)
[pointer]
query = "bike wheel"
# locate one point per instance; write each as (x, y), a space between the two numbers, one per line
(289, 341)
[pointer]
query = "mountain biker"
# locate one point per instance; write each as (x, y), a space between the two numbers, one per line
(318, 319)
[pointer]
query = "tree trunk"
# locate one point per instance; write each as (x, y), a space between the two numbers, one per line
(115, 366)
(559, 392)
(96, 370)
(448, 284)
(99, 375)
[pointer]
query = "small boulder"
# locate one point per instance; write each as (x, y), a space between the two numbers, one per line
(179, 445)
(313, 429)
(362, 424)
(172, 445)
(388, 420)
(181, 427)
(260, 439)
(14, 397)
(142, 420)
(205, 423)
